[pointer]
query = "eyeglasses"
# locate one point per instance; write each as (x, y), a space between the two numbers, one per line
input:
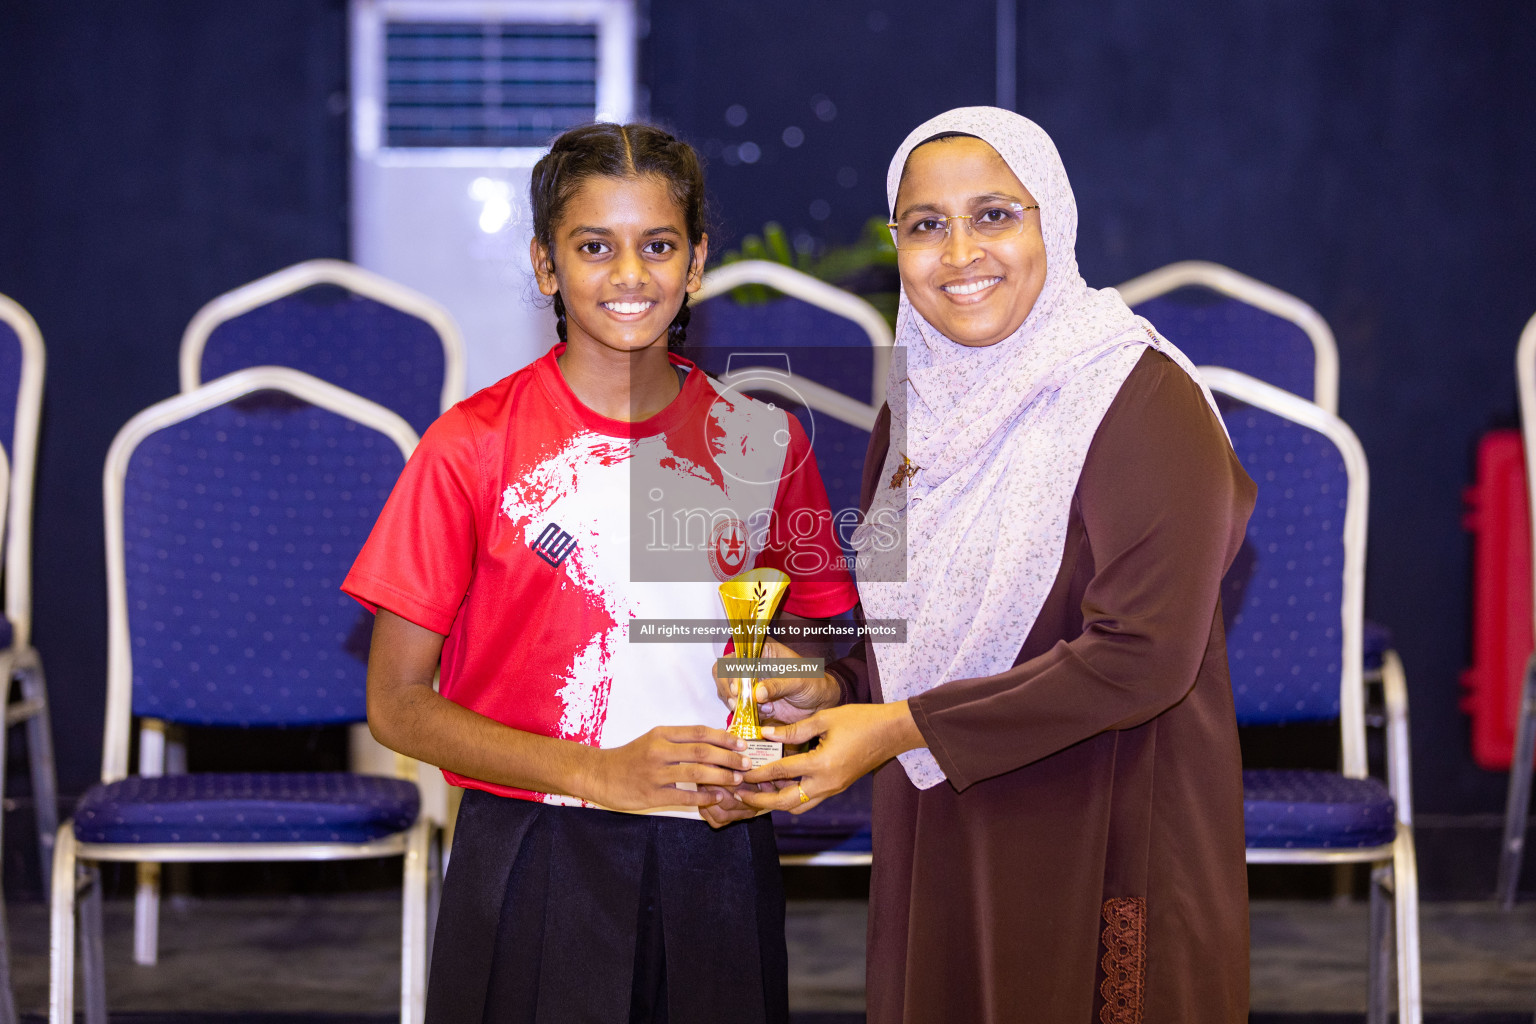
(931, 230)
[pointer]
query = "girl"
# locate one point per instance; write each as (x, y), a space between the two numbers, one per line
(517, 550)
(1059, 829)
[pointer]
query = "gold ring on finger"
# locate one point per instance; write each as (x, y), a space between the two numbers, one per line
(803, 798)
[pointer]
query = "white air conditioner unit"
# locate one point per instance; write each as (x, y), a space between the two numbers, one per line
(453, 101)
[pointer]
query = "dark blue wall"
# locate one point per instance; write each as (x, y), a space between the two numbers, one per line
(783, 61)
(1376, 159)
(155, 155)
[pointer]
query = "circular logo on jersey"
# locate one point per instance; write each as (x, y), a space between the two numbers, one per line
(776, 388)
(728, 548)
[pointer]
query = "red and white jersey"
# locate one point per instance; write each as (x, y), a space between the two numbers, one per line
(530, 531)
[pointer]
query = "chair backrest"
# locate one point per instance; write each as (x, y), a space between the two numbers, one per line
(5, 485)
(338, 322)
(1219, 317)
(811, 315)
(820, 352)
(1525, 375)
(1294, 597)
(22, 362)
(233, 512)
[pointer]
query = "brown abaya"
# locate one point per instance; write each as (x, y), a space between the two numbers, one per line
(1084, 860)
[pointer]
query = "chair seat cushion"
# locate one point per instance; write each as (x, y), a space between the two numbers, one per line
(1376, 642)
(1314, 810)
(247, 807)
(839, 823)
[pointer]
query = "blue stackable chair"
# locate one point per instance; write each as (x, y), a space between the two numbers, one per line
(22, 360)
(1517, 805)
(1219, 317)
(7, 996)
(338, 322)
(826, 353)
(362, 332)
(822, 354)
(1294, 598)
(233, 513)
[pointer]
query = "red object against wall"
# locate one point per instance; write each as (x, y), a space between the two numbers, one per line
(1498, 516)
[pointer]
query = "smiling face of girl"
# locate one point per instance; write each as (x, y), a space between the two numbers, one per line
(620, 259)
(975, 291)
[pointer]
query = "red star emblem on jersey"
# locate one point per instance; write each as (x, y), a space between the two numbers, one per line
(728, 548)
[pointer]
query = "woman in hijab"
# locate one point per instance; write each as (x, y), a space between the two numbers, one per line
(1051, 502)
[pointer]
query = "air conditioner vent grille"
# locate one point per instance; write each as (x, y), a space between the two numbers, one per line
(487, 85)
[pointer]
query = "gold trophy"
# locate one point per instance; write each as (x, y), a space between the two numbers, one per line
(751, 599)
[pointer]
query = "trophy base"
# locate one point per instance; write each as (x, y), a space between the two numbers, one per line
(761, 752)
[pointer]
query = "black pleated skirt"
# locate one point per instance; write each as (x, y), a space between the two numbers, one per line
(567, 914)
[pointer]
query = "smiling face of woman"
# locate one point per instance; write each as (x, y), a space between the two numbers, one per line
(975, 291)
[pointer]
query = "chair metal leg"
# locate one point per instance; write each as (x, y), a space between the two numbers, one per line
(1517, 806)
(153, 740)
(175, 751)
(413, 937)
(434, 888)
(7, 996)
(146, 916)
(45, 786)
(1405, 885)
(1343, 884)
(93, 954)
(61, 945)
(176, 877)
(1380, 952)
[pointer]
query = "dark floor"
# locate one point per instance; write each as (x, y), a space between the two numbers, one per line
(795, 1018)
(335, 960)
